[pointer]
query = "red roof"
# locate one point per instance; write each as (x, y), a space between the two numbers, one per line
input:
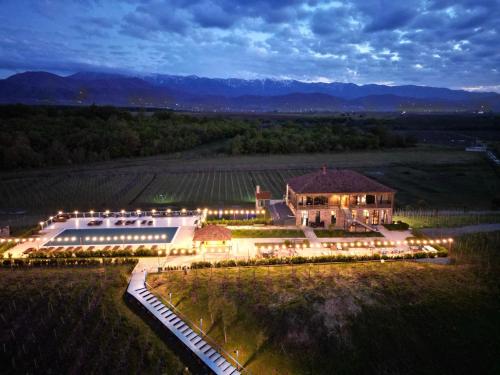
(336, 181)
(212, 233)
(263, 195)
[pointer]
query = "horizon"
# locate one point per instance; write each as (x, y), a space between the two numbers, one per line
(141, 76)
(417, 43)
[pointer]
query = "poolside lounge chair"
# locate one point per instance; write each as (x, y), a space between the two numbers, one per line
(144, 222)
(106, 248)
(154, 247)
(78, 248)
(150, 222)
(91, 248)
(117, 247)
(119, 222)
(129, 247)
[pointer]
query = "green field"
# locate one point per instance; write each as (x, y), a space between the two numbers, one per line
(74, 321)
(424, 177)
(364, 318)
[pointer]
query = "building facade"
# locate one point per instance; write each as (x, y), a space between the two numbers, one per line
(340, 199)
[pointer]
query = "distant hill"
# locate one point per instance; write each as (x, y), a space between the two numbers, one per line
(213, 94)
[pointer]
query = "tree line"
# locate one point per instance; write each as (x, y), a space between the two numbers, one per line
(38, 136)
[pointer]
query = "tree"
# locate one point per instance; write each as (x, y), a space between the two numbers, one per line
(237, 145)
(229, 312)
(214, 302)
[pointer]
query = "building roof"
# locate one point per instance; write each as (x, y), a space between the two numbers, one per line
(336, 181)
(212, 233)
(263, 195)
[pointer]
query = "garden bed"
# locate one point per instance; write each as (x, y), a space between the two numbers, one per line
(267, 233)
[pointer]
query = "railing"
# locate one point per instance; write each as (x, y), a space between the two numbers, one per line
(205, 337)
(384, 204)
(120, 214)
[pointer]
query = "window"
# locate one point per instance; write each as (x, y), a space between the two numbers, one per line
(333, 218)
(320, 200)
(370, 199)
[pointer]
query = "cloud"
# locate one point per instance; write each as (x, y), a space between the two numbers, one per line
(453, 41)
(390, 20)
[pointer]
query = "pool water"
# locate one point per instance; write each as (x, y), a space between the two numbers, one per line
(113, 236)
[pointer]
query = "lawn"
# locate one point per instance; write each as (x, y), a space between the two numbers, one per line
(74, 321)
(344, 233)
(370, 318)
(267, 233)
(423, 220)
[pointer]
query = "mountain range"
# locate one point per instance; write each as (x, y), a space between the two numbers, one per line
(236, 95)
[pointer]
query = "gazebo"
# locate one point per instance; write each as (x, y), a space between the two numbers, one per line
(212, 238)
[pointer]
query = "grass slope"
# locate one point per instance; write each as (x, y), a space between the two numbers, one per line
(371, 318)
(74, 320)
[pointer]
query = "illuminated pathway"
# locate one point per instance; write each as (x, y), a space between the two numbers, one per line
(137, 288)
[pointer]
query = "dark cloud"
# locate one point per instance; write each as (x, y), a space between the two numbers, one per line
(453, 42)
(390, 20)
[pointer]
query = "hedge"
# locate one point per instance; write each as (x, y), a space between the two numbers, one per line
(398, 225)
(94, 254)
(317, 259)
(56, 262)
(236, 222)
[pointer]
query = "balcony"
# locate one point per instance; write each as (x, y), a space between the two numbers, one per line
(383, 204)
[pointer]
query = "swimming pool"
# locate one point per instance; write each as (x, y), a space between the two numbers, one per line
(113, 236)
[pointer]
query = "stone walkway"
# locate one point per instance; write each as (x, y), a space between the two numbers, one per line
(310, 235)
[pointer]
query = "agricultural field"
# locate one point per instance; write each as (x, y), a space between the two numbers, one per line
(74, 320)
(364, 318)
(424, 177)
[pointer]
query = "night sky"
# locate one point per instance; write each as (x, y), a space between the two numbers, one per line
(437, 43)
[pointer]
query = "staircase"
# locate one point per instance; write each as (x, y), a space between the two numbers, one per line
(349, 220)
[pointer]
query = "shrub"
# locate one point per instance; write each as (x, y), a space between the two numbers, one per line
(317, 259)
(398, 225)
(235, 222)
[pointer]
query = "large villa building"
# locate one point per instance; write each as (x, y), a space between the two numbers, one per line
(341, 199)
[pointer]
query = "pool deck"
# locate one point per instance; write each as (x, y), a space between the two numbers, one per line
(182, 239)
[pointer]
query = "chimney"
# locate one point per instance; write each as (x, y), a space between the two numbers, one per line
(257, 189)
(323, 170)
